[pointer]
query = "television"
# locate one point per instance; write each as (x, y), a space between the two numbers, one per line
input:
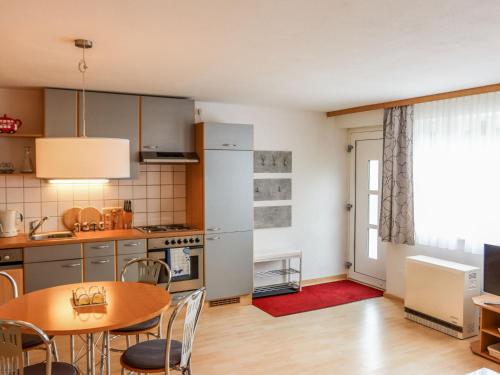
(492, 269)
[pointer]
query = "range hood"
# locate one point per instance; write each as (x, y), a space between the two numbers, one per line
(159, 157)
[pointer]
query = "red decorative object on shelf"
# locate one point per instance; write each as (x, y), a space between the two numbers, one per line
(9, 125)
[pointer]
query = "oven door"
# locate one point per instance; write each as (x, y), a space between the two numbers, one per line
(186, 266)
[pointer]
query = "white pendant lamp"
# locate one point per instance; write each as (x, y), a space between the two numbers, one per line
(82, 159)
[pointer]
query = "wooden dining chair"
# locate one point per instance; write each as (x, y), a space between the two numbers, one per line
(11, 351)
(163, 355)
(149, 271)
(29, 341)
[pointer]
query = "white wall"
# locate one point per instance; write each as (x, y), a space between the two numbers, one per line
(396, 254)
(319, 181)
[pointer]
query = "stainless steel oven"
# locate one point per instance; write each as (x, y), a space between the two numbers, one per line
(184, 255)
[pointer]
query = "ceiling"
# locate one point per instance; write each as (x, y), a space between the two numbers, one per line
(317, 55)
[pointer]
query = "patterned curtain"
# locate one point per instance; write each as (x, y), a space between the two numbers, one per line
(396, 211)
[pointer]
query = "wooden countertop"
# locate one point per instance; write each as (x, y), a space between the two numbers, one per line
(22, 240)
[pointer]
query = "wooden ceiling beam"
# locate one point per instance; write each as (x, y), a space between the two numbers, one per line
(418, 99)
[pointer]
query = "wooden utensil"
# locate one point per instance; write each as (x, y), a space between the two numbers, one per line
(71, 216)
(90, 215)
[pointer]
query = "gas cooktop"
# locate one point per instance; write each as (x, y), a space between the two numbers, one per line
(163, 228)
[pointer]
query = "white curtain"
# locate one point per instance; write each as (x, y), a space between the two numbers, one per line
(457, 172)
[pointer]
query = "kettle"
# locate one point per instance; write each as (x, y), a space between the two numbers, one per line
(8, 221)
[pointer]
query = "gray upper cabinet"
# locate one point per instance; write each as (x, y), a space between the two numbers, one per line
(114, 116)
(167, 124)
(220, 136)
(60, 113)
(228, 191)
(228, 264)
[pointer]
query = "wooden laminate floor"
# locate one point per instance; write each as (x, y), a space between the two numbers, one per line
(367, 337)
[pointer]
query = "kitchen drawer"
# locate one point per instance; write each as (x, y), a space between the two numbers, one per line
(100, 269)
(48, 274)
(131, 246)
(132, 272)
(98, 249)
(53, 252)
(228, 136)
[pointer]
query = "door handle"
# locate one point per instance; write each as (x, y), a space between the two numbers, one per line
(213, 238)
(213, 229)
(72, 265)
(103, 261)
(132, 244)
(100, 247)
(229, 145)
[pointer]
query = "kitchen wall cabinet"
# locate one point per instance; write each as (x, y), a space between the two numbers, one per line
(60, 113)
(228, 190)
(113, 116)
(228, 264)
(218, 136)
(100, 269)
(167, 124)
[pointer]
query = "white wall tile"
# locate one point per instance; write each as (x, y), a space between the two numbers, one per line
(31, 181)
(180, 178)
(111, 203)
(167, 191)
(142, 179)
(33, 209)
(167, 217)
(179, 191)
(50, 224)
(15, 195)
(153, 168)
(33, 194)
(110, 192)
(153, 205)
(139, 205)
(2, 181)
(153, 178)
(166, 168)
(65, 192)
(180, 217)
(19, 207)
(49, 194)
(167, 204)
(153, 191)
(125, 182)
(99, 204)
(154, 218)
(49, 209)
(140, 219)
(81, 204)
(14, 181)
(179, 204)
(81, 193)
(3, 195)
(96, 192)
(179, 168)
(143, 167)
(167, 178)
(125, 192)
(62, 206)
(139, 192)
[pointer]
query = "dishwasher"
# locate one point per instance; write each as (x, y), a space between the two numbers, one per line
(11, 262)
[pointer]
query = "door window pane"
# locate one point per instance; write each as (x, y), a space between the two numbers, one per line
(373, 209)
(373, 175)
(372, 243)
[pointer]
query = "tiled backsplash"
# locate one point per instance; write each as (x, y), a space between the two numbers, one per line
(158, 197)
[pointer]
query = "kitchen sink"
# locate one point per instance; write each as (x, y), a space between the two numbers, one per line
(51, 235)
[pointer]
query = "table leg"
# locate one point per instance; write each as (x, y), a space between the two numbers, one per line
(90, 354)
(72, 349)
(108, 358)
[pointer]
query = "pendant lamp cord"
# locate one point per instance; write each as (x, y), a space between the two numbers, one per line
(82, 67)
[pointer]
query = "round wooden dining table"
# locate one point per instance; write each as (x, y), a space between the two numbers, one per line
(50, 309)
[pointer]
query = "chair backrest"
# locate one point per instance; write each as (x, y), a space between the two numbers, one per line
(12, 283)
(193, 304)
(149, 271)
(11, 347)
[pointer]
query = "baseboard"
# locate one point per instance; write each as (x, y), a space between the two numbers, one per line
(393, 297)
(324, 280)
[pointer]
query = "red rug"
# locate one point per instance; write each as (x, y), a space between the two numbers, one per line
(316, 297)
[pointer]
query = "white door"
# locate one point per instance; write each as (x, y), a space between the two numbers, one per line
(367, 255)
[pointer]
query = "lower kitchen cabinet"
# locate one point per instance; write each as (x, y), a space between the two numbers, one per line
(100, 269)
(228, 264)
(132, 273)
(47, 274)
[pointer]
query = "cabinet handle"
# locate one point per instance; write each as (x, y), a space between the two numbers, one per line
(150, 147)
(213, 229)
(213, 238)
(72, 265)
(132, 244)
(100, 247)
(103, 261)
(229, 145)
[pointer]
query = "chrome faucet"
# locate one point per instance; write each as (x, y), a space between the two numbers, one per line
(35, 224)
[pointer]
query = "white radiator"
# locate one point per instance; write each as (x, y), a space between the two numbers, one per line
(439, 295)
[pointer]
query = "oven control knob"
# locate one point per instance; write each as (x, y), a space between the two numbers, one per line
(185, 240)
(167, 242)
(191, 240)
(179, 241)
(196, 240)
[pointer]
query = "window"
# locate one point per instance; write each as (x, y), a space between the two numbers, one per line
(457, 172)
(373, 174)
